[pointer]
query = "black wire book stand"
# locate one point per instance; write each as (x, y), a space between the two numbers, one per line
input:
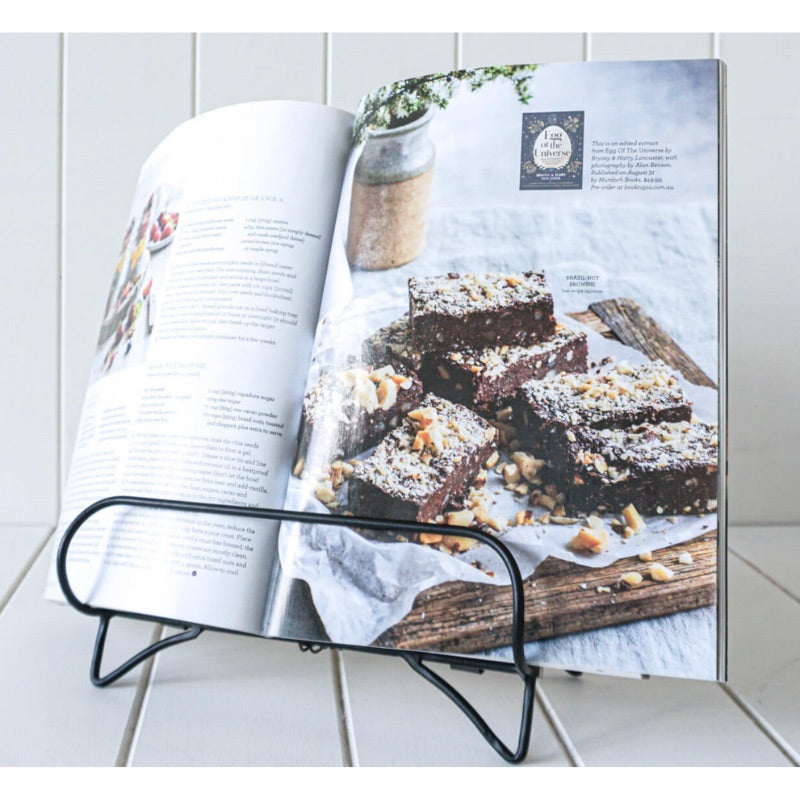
(415, 660)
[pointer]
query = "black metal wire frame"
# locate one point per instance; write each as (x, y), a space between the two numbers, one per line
(527, 672)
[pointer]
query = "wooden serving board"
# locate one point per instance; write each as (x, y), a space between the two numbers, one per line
(562, 597)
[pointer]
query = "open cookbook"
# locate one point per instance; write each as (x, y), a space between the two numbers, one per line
(492, 299)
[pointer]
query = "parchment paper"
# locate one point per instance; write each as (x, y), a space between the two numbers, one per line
(361, 587)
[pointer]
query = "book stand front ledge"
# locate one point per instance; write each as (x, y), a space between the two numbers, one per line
(415, 660)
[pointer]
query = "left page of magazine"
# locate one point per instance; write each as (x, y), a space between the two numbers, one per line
(196, 384)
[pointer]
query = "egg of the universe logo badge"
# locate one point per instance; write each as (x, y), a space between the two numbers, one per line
(552, 150)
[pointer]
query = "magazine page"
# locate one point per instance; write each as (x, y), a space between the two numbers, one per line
(521, 334)
(198, 376)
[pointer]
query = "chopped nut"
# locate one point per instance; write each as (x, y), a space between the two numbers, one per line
(554, 520)
(500, 467)
(544, 518)
(459, 544)
(497, 523)
(347, 469)
(590, 541)
(658, 572)
(511, 473)
(492, 460)
(337, 474)
(480, 479)
(646, 556)
(481, 513)
(631, 578)
(504, 414)
(685, 558)
(424, 416)
(627, 532)
(632, 517)
(387, 394)
(464, 518)
(523, 517)
(543, 500)
(594, 522)
(711, 505)
(522, 488)
(324, 492)
(528, 465)
(603, 589)
(430, 538)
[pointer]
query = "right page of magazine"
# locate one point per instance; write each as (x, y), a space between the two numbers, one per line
(521, 333)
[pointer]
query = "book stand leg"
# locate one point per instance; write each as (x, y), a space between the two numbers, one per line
(526, 672)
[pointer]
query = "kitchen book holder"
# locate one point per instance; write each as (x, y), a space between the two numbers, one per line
(526, 672)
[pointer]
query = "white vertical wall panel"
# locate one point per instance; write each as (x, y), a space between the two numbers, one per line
(364, 61)
(648, 46)
(240, 67)
(489, 49)
(29, 231)
(764, 274)
(124, 93)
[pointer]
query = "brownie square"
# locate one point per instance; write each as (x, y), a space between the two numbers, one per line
(392, 344)
(454, 312)
(668, 468)
(618, 397)
(486, 379)
(424, 465)
(348, 411)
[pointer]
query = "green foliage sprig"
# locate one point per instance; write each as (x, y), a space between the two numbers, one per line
(400, 102)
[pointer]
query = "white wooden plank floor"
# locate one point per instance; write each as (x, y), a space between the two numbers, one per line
(229, 700)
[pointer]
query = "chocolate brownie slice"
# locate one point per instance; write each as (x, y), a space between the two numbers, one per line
(619, 397)
(668, 468)
(424, 465)
(485, 379)
(454, 311)
(348, 411)
(392, 345)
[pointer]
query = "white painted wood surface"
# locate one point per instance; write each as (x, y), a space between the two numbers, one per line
(224, 699)
(30, 86)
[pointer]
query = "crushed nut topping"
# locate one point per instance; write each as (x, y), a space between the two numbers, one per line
(660, 573)
(588, 540)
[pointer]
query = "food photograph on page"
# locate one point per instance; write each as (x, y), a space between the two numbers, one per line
(521, 335)
(130, 310)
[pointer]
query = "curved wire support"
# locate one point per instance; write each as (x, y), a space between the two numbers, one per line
(526, 672)
(99, 645)
(526, 722)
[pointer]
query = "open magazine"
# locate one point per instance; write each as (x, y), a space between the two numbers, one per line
(492, 299)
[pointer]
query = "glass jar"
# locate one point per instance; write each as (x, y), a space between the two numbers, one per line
(391, 192)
